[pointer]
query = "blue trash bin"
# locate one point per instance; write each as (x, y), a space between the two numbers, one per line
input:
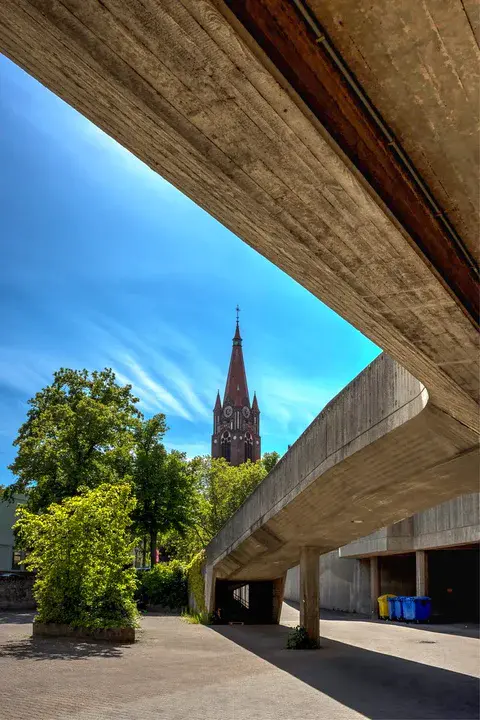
(399, 608)
(423, 608)
(391, 608)
(409, 608)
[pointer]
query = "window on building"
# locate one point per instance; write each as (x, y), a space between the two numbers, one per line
(18, 556)
(226, 446)
(248, 447)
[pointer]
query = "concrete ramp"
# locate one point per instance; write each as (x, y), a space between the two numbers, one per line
(378, 452)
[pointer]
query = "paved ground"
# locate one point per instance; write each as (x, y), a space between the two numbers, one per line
(189, 672)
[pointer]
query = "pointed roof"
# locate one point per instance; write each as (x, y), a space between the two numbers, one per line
(236, 387)
(255, 403)
(218, 402)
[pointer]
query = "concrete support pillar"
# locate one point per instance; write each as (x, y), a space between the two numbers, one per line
(309, 591)
(278, 590)
(421, 572)
(374, 585)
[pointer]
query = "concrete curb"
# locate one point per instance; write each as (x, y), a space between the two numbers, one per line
(118, 635)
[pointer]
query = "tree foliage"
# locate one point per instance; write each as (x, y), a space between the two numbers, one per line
(270, 459)
(165, 585)
(81, 551)
(163, 485)
(79, 432)
(220, 489)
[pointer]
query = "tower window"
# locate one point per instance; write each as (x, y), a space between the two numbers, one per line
(226, 446)
(248, 447)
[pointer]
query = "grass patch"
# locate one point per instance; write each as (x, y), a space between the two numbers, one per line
(194, 618)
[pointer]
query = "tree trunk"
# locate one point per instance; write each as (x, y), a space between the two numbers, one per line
(153, 549)
(144, 551)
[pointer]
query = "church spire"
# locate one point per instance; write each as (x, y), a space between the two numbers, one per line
(236, 423)
(236, 389)
(237, 338)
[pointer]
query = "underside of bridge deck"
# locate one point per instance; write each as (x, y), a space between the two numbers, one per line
(188, 88)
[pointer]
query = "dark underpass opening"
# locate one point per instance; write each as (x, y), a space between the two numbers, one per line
(251, 603)
(453, 579)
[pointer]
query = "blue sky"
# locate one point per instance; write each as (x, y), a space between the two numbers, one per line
(104, 263)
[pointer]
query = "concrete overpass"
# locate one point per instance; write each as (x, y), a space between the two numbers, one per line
(378, 452)
(340, 140)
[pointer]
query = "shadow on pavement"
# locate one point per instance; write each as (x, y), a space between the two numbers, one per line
(379, 686)
(48, 649)
(462, 629)
(16, 618)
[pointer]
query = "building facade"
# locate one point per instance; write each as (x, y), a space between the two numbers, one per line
(236, 421)
(9, 558)
(433, 553)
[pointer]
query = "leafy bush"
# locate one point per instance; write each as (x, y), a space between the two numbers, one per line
(82, 550)
(196, 582)
(298, 639)
(165, 585)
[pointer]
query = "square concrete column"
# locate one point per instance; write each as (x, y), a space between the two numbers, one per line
(278, 592)
(374, 585)
(421, 563)
(309, 591)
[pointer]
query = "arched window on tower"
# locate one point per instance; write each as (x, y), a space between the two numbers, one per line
(226, 446)
(248, 447)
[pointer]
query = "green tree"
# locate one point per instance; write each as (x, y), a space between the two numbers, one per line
(270, 459)
(220, 489)
(163, 485)
(80, 431)
(81, 551)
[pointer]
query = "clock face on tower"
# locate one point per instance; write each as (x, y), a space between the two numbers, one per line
(246, 412)
(228, 411)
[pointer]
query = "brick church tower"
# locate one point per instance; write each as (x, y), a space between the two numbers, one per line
(236, 422)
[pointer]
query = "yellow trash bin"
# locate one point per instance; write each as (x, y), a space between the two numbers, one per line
(383, 606)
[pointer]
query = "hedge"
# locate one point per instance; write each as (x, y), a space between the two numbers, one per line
(164, 585)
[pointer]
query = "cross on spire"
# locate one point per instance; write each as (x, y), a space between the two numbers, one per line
(237, 311)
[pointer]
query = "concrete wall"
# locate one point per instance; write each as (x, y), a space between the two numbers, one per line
(455, 522)
(345, 579)
(344, 584)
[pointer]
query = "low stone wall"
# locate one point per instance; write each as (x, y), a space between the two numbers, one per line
(117, 635)
(16, 591)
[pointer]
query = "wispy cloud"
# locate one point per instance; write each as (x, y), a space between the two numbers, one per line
(168, 374)
(24, 372)
(152, 395)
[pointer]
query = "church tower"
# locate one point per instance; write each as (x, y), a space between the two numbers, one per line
(236, 422)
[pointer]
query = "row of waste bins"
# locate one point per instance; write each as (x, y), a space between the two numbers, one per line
(410, 609)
